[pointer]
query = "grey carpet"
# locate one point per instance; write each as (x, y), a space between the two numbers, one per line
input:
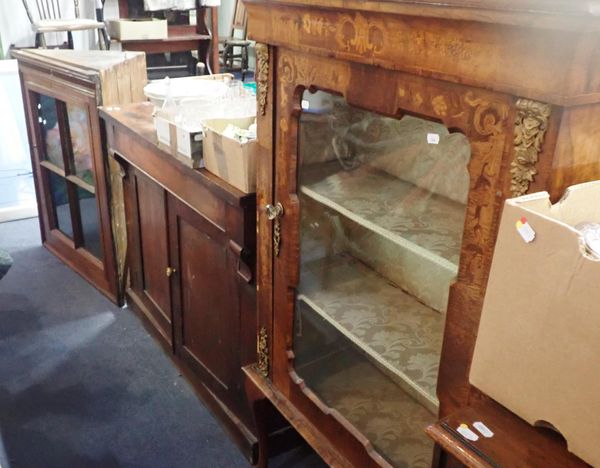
(82, 384)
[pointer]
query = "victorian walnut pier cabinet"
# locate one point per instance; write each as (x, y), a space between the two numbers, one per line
(390, 134)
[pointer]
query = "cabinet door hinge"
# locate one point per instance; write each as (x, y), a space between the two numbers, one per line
(262, 352)
(275, 213)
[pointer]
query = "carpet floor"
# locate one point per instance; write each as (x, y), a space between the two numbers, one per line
(82, 384)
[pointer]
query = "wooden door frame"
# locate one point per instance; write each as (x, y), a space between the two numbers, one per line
(485, 117)
(101, 273)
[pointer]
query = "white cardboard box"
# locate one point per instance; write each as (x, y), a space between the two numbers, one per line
(138, 29)
(538, 345)
(185, 143)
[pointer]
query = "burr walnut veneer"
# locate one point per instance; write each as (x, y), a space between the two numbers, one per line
(390, 134)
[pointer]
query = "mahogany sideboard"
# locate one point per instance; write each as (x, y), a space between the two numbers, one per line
(390, 135)
(191, 250)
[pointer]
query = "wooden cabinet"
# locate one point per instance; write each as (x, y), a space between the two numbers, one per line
(390, 135)
(80, 208)
(191, 250)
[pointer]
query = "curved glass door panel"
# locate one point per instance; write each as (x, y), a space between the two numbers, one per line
(383, 204)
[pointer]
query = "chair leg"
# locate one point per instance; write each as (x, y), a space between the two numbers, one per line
(103, 43)
(244, 63)
(225, 54)
(70, 39)
(40, 41)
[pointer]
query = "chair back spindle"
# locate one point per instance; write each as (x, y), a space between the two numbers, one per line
(49, 20)
(48, 9)
(239, 20)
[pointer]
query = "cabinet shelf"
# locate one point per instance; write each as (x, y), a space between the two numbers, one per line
(408, 234)
(412, 217)
(392, 421)
(401, 335)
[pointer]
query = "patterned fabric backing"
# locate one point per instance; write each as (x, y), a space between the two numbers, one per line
(383, 204)
(402, 336)
(399, 147)
(389, 418)
(396, 208)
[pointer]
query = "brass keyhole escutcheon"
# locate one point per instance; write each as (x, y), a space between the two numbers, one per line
(169, 271)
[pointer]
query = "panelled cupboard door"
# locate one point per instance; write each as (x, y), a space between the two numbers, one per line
(205, 297)
(148, 250)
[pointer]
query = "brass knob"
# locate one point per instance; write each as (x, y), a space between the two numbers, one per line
(170, 271)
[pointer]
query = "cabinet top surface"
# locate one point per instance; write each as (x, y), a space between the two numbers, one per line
(569, 15)
(569, 7)
(90, 61)
(136, 119)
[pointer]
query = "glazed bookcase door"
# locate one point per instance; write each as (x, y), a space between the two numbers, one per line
(379, 195)
(66, 164)
(67, 161)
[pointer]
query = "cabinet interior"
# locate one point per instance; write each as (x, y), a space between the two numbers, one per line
(383, 204)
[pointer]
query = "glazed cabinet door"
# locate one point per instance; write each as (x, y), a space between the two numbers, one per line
(70, 177)
(376, 206)
(148, 250)
(205, 298)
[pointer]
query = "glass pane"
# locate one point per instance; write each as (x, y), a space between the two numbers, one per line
(48, 121)
(88, 209)
(80, 141)
(60, 200)
(383, 205)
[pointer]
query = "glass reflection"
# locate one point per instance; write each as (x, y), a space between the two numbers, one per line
(383, 205)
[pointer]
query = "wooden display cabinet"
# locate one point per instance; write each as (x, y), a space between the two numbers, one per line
(390, 135)
(79, 198)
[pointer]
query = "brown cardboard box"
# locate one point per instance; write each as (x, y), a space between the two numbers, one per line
(538, 346)
(227, 158)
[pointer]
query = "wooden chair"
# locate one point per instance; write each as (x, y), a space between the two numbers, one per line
(234, 54)
(50, 20)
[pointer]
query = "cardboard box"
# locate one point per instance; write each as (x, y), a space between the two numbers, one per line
(138, 29)
(184, 140)
(538, 346)
(227, 158)
(184, 143)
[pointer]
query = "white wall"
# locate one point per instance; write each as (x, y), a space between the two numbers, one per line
(225, 17)
(17, 195)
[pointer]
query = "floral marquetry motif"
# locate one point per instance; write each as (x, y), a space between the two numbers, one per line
(359, 35)
(530, 129)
